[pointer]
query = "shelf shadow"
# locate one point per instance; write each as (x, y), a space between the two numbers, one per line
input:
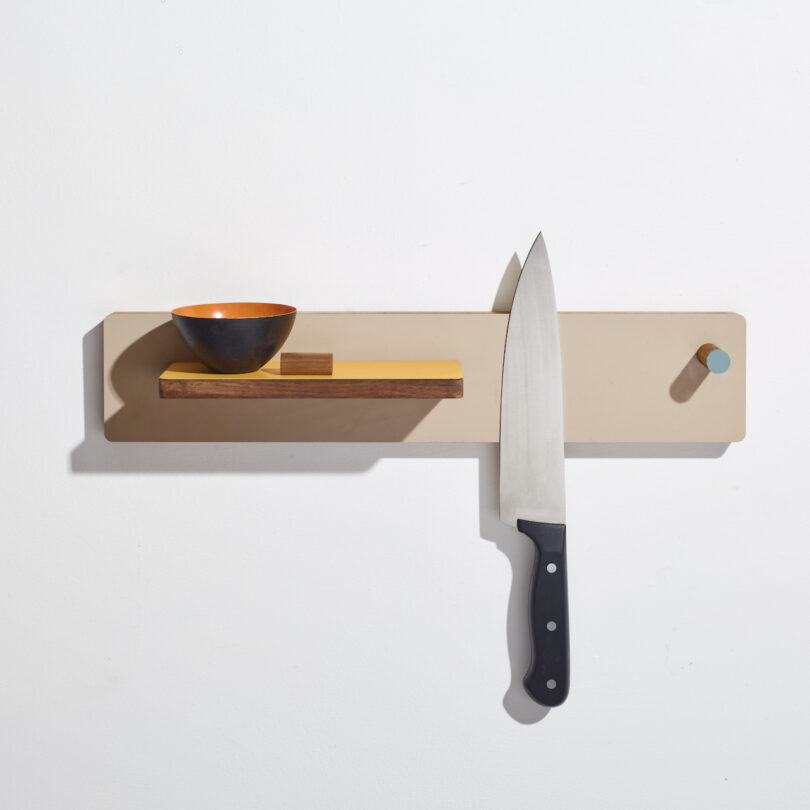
(643, 450)
(98, 455)
(144, 417)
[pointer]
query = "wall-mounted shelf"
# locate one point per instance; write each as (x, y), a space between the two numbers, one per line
(628, 377)
(350, 379)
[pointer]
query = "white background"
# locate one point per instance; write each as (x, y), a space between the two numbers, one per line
(326, 627)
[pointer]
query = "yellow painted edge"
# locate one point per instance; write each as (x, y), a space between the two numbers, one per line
(341, 370)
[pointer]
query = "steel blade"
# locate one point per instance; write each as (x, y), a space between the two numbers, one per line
(532, 449)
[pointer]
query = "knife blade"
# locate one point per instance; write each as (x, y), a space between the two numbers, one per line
(532, 482)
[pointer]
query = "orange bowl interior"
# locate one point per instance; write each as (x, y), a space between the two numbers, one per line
(234, 310)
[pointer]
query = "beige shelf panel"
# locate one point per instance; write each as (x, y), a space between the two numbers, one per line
(627, 377)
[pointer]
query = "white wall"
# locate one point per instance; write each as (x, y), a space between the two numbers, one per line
(326, 627)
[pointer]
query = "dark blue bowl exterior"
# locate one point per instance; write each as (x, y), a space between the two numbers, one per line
(235, 345)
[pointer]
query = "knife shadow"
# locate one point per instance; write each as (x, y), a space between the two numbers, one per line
(520, 551)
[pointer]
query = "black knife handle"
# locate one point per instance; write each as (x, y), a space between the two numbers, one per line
(547, 678)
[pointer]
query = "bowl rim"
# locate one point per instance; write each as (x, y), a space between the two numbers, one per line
(187, 311)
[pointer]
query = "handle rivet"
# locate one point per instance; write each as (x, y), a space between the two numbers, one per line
(551, 683)
(714, 358)
(551, 568)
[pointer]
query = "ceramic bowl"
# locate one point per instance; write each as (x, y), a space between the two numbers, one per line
(234, 338)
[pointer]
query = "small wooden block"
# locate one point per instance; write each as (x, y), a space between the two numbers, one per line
(306, 363)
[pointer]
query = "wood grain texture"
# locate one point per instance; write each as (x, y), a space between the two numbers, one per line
(704, 351)
(348, 380)
(306, 363)
(311, 389)
(359, 379)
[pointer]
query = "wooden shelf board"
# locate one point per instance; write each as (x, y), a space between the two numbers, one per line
(350, 379)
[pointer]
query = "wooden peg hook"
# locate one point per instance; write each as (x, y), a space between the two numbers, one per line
(714, 358)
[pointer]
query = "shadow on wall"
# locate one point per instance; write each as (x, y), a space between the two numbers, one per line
(134, 378)
(144, 417)
(98, 455)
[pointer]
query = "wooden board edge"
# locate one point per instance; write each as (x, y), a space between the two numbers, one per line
(451, 388)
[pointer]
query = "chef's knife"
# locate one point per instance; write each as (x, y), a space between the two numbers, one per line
(532, 467)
